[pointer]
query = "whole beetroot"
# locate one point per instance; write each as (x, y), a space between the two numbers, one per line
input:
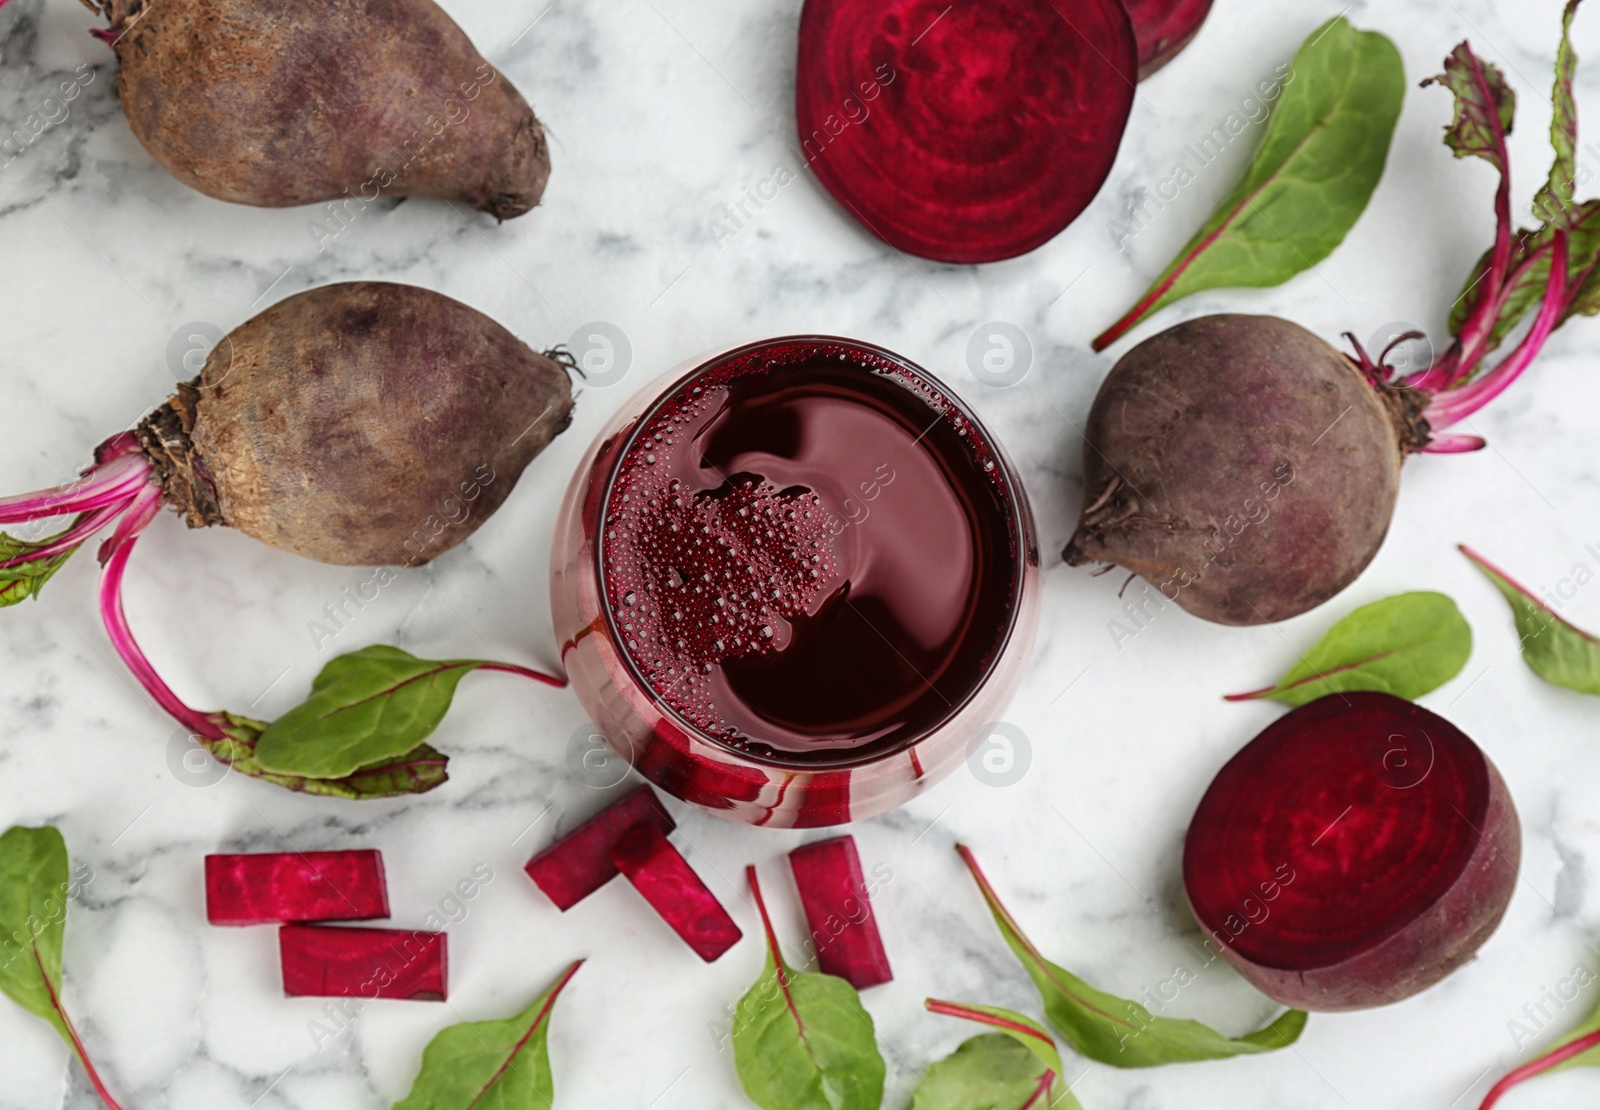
(362, 423)
(355, 423)
(1249, 471)
(1243, 466)
(278, 102)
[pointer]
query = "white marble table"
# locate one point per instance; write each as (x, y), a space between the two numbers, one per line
(659, 116)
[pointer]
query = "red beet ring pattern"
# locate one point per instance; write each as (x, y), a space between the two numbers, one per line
(964, 134)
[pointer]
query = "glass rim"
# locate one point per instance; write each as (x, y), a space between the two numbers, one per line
(1021, 520)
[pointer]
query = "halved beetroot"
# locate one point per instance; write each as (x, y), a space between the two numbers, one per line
(833, 893)
(330, 961)
(1358, 850)
(1164, 27)
(262, 888)
(674, 891)
(965, 133)
(579, 864)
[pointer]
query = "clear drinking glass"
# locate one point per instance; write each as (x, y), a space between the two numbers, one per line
(691, 763)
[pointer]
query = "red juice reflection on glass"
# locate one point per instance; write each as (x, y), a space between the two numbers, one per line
(795, 584)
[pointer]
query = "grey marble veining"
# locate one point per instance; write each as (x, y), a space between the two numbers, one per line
(662, 117)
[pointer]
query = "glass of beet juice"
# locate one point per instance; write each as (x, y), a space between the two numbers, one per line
(797, 583)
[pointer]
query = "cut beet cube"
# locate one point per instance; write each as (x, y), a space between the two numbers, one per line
(329, 961)
(579, 864)
(965, 133)
(263, 888)
(833, 893)
(669, 884)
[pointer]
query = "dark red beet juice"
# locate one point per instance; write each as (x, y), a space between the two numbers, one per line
(809, 553)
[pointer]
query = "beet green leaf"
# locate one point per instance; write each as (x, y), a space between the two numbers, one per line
(1017, 1067)
(366, 708)
(1404, 645)
(34, 888)
(802, 1040)
(1557, 651)
(26, 579)
(414, 772)
(1321, 154)
(1118, 1031)
(33, 919)
(1476, 84)
(491, 1065)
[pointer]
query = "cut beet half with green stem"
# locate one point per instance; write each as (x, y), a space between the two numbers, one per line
(269, 888)
(579, 864)
(333, 961)
(969, 133)
(1164, 28)
(833, 893)
(670, 885)
(1357, 851)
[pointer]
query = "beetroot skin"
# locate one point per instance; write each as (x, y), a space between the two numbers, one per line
(1243, 467)
(277, 103)
(1356, 852)
(1164, 28)
(365, 424)
(969, 133)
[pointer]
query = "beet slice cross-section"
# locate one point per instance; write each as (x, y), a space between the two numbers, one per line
(332, 961)
(1163, 28)
(262, 888)
(1357, 851)
(965, 133)
(579, 864)
(669, 884)
(833, 893)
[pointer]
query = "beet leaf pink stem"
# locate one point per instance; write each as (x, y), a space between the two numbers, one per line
(114, 559)
(71, 538)
(1539, 1067)
(1469, 347)
(100, 486)
(955, 1009)
(526, 672)
(1458, 403)
(72, 1030)
(1454, 445)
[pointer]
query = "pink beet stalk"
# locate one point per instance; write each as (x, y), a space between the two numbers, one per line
(838, 911)
(102, 484)
(670, 885)
(264, 888)
(579, 864)
(330, 961)
(114, 555)
(1459, 402)
(1539, 1067)
(955, 1009)
(72, 1032)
